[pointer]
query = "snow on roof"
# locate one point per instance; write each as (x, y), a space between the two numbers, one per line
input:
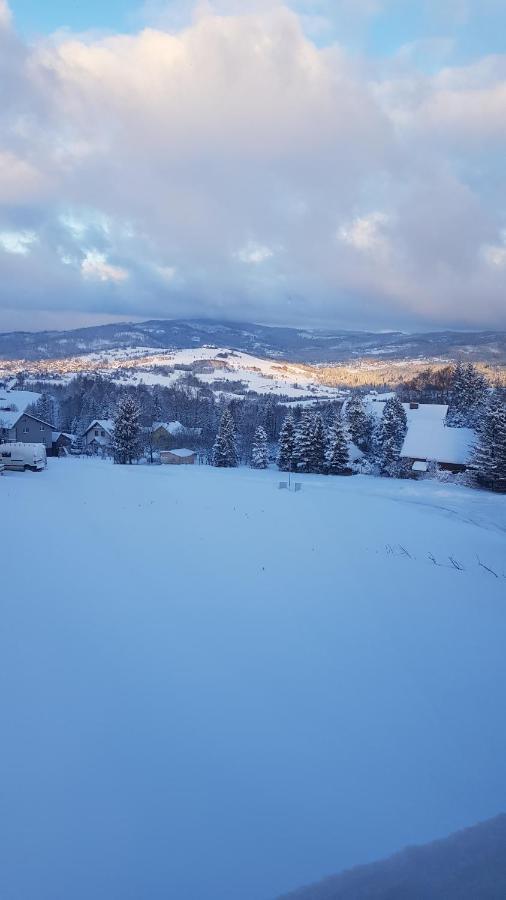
(419, 466)
(106, 424)
(9, 419)
(181, 452)
(430, 438)
(56, 434)
(170, 427)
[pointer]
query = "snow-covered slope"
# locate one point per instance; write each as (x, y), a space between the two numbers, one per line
(215, 689)
(208, 364)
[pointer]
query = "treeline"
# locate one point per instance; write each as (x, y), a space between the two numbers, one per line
(72, 407)
(254, 430)
(427, 381)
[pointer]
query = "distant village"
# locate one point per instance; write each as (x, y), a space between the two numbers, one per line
(366, 432)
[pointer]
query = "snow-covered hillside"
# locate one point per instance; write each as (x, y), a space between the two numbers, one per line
(207, 364)
(216, 689)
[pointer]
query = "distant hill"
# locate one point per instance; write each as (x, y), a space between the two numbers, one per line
(291, 344)
(468, 865)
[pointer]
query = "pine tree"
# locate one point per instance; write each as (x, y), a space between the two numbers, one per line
(127, 431)
(46, 408)
(259, 452)
(304, 442)
(490, 451)
(360, 423)
(224, 449)
(390, 436)
(337, 459)
(286, 449)
(468, 397)
(318, 462)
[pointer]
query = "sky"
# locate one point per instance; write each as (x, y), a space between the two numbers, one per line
(324, 163)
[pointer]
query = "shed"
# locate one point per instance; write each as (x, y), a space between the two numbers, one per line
(179, 457)
(62, 442)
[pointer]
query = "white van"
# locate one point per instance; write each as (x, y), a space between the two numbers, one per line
(19, 456)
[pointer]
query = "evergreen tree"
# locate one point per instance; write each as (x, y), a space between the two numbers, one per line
(127, 431)
(390, 436)
(337, 459)
(286, 449)
(46, 408)
(490, 451)
(468, 397)
(270, 420)
(304, 442)
(224, 449)
(318, 462)
(360, 423)
(259, 452)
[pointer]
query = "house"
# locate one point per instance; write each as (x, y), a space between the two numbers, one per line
(429, 440)
(62, 442)
(98, 436)
(17, 425)
(164, 435)
(179, 457)
(21, 427)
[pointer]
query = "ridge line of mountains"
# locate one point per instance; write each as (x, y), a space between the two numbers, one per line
(276, 342)
(468, 865)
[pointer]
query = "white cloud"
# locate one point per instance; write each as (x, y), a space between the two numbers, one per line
(5, 14)
(495, 254)
(179, 146)
(254, 253)
(365, 233)
(17, 242)
(95, 267)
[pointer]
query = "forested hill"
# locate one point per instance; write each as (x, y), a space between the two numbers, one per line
(468, 865)
(292, 344)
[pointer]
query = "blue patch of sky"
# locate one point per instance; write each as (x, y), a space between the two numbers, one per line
(35, 17)
(479, 33)
(402, 22)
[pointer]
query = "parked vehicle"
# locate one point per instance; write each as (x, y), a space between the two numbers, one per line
(19, 456)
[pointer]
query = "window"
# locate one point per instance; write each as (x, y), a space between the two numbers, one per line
(102, 433)
(26, 430)
(97, 432)
(42, 427)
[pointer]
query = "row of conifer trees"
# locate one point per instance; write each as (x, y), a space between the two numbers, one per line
(308, 445)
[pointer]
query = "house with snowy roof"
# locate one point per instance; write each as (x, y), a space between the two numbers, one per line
(99, 435)
(430, 440)
(17, 425)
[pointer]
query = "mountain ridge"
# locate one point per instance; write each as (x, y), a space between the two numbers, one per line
(272, 341)
(468, 865)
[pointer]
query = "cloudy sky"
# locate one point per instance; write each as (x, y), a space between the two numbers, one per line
(317, 162)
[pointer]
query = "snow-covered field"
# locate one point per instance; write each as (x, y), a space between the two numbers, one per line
(216, 690)
(151, 366)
